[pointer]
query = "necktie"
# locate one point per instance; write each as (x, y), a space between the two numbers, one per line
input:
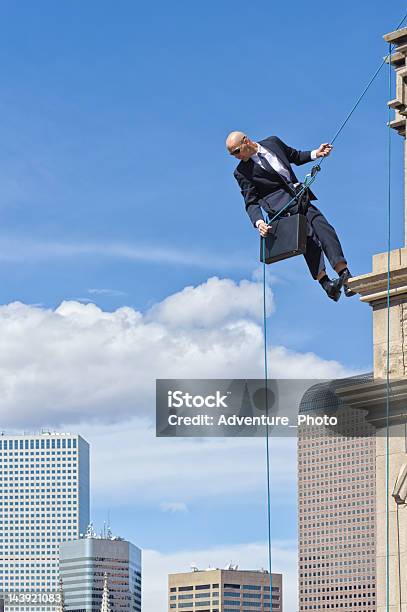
(267, 166)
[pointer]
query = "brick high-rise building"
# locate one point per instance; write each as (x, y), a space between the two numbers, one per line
(336, 496)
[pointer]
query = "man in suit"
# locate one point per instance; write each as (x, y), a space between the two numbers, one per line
(268, 183)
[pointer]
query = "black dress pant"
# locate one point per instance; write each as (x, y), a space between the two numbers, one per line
(321, 239)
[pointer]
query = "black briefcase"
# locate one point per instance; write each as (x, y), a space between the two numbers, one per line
(287, 237)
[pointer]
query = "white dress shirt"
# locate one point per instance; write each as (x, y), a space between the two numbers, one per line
(275, 163)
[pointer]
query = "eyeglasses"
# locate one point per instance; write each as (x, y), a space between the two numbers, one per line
(238, 149)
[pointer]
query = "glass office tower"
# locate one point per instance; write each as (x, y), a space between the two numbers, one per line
(44, 500)
(84, 564)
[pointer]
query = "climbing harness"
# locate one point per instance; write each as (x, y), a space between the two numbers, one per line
(309, 179)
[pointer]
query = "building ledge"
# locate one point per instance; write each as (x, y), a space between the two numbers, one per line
(372, 395)
(373, 286)
(398, 37)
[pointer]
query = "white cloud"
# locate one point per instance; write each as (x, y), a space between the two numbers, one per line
(78, 362)
(254, 556)
(109, 292)
(174, 507)
(211, 304)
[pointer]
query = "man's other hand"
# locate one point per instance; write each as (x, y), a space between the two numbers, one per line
(324, 150)
(263, 228)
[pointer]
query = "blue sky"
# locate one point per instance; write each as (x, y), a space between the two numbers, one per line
(113, 123)
(116, 188)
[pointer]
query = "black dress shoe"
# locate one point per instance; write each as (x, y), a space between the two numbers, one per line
(344, 277)
(333, 288)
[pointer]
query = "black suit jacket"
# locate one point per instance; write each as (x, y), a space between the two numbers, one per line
(268, 190)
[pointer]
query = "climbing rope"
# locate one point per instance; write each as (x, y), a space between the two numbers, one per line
(388, 343)
(368, 86)
(268, 484)
(308, 180)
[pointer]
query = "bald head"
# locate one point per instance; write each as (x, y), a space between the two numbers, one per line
(240, 146)
(234, 139)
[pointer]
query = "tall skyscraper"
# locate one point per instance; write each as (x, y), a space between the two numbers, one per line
(44, 483)
(96, 570)
(224, 590)
(336, 496)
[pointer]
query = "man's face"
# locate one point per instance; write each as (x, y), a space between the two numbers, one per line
(242, 149)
